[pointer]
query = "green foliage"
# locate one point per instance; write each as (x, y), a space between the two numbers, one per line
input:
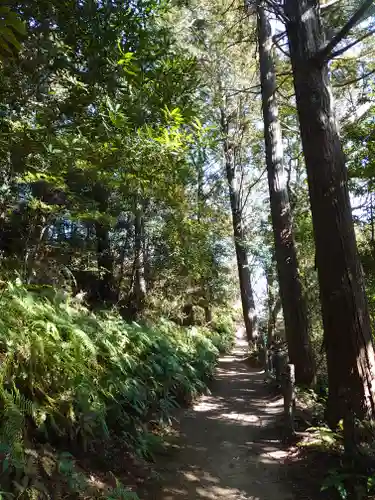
(352, 478)
(326, 438)
(78, 482)
(223, 329)
(121, 493)
(103, 127)
(11, 29)
(346, 483)
(336, 480)
(69, 374)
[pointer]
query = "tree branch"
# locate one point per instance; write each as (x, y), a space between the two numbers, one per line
(255, 89)
(276, 9)
(325, 53)
(280, 36)
(284, 73)
(287, 98)
(339, 52)
(290, 129)
(251, 186)
(237, 42)
(228, 8)
(281, 83)
(276, 43)
(354, 80)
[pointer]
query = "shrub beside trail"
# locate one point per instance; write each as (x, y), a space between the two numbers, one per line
(71, 377)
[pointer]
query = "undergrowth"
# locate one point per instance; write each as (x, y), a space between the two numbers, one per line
(71, 376)
(353, 476)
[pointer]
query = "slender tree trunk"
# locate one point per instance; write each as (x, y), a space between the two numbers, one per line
(347, 331)
(122, 259)
(139, 271)
(247, 295)
(273, 312)
(200, 182)
(208, 314)
(271, 299)
(372, 219)
(205, 287)
(146, 263)
(106, 291)
(291, 293)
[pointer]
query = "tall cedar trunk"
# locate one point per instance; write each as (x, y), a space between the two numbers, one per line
(291, 293)
(247, 295)
(347, 332)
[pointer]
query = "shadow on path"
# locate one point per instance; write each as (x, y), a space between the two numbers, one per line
(228, 444)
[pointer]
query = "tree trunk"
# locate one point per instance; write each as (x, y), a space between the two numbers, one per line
(291, 293)
(347, 332)
(205, 286)
(139, 271)
(247, 295)
(208, 314)
(272, 319)
(106, 285)
(273, 304)
(105, 290)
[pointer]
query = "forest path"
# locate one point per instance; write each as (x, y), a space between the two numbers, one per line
(227, 445)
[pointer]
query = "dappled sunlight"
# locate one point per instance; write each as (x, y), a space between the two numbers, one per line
(276, 403)
(229, 447)
(242, 417)
(219, 492)
(205, 405)
(226, 373)
(175, 493)
(275, 454)
(196, 477)
(203, 485)
(197, 448)
(227, 360)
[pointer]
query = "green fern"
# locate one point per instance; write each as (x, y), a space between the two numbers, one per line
(121, 493)
(11, 29)
(80, 376)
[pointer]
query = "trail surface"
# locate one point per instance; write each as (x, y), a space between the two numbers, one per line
(228, 446)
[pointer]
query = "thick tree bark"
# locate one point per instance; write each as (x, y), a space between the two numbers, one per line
(291, 293)
(244, 275)
(347, 331)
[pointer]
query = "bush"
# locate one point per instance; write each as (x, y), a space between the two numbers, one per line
(223, 330)
(70, 375)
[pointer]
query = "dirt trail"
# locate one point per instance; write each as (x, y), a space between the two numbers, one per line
(228, 445)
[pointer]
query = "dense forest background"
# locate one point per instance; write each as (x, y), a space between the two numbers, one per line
(162, 163)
